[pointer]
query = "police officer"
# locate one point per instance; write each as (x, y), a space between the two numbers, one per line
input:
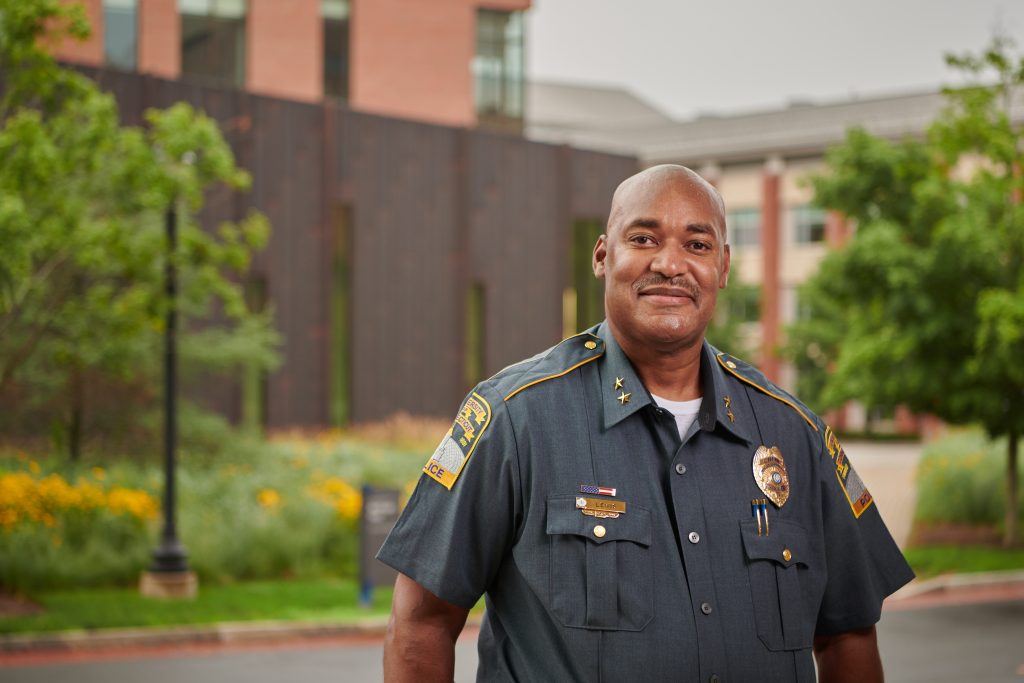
(638, 506)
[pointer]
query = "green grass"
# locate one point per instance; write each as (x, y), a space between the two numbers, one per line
(929, 561)
(307, 600)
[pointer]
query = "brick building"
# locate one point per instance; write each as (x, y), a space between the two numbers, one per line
(449, 62)
(419, 242)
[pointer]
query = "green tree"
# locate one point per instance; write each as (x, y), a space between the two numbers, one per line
(925, 305)
(82, 207)
(738, 305)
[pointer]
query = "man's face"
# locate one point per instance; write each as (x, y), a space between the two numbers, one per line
(663, 261)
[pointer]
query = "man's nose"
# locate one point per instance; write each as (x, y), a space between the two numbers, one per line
(670, 261)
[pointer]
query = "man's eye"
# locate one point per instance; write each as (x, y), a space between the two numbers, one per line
(641, 239)
(700, 246)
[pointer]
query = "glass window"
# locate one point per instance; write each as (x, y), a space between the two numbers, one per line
(213, 41)
(498, 68)
(745, 304)
(120, 33)
(336, 13)
(808, 224)
(744, 227)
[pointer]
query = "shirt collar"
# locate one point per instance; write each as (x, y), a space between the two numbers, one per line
(622, 392)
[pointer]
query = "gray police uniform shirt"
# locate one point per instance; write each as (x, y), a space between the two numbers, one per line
(683, 585)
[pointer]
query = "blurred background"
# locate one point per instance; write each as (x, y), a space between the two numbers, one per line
(345, 213)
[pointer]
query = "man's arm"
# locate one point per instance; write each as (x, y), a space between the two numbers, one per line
(850, 657)
(420, 643)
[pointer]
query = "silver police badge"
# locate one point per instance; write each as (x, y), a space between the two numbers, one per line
(770, 474)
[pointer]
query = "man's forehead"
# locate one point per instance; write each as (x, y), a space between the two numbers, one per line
(655, 195)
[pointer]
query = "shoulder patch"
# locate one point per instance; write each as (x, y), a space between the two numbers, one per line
(748, 374)
(447, 462)
(559, 360)
(857, 495)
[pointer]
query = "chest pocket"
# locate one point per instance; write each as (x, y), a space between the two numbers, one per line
(603, 580)
(778, 565)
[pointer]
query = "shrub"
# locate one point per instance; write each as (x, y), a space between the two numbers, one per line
(287, 508)
(54, 532)
(962, 479)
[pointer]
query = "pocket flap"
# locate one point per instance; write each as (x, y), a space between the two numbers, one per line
(633, 525)
(786, 542)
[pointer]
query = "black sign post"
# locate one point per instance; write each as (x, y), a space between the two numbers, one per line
(380, 512)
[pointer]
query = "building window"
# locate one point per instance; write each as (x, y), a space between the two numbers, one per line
(808, 225)
(336, 13)
(498, 69)
(254, 377)
(120, 33)
(745, 304)
(340, 394)
(476, 340)
(213, 41)
(744, 227)
(586, 293)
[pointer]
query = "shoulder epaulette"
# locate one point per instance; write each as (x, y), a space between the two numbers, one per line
(559, 360)
(748, 374)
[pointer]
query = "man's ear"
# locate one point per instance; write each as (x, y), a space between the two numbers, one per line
(600, 254)
(723, 280)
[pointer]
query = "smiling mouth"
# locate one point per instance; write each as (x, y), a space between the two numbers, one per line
(668, 294)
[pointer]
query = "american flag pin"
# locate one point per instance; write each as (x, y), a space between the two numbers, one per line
(599, 490)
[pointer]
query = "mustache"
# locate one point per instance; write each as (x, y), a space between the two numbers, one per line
(678, 282)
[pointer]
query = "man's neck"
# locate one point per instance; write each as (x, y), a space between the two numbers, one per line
(670, 372)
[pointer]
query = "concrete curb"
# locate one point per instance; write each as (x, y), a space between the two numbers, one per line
(240, 633)
(950, 583)
(219, 634)
(228, 633)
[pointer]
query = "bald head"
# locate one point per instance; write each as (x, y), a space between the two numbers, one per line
(651, 181)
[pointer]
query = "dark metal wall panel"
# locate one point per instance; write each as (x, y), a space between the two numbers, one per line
(433, 210)
(517, 253)
(595, 176)
(406, 333)
(287, 188)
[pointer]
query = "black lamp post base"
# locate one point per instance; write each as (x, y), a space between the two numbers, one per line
(169, 585)
(169, 557)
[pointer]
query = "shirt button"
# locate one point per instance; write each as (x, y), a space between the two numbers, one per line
(714, 679)
(680, 468)
(694, 537)
(599, 531)
(705, 607)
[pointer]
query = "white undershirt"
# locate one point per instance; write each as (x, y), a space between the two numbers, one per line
(685, 412)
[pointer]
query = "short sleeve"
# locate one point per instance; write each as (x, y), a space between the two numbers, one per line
(461, 519)
(864, 563)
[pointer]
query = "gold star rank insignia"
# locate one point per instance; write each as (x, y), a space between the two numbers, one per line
(618, 383)
(624, 398)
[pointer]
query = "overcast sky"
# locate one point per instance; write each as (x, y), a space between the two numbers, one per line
(686, 57)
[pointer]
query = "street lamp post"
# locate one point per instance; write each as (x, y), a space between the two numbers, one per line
(169, 575)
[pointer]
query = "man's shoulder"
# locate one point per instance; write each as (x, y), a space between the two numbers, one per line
(746, 373)
(552, 363)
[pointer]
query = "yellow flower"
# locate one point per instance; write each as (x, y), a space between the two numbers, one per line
(269, 499)
(33, 467)
(133, 502)
(99, 473)
(342, 496)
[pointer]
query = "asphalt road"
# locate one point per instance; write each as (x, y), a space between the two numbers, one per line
(981, 643)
